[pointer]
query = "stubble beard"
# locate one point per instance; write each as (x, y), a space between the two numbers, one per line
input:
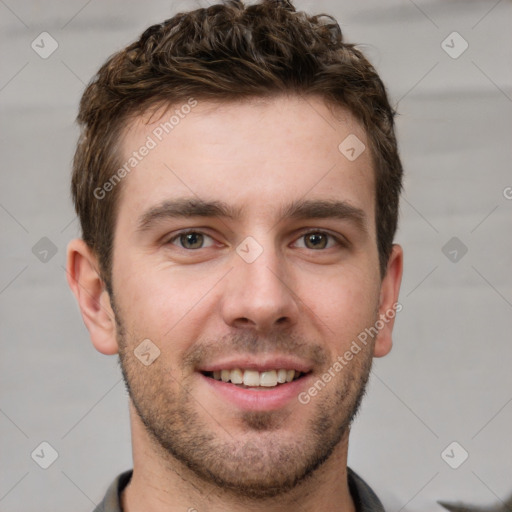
(256, 462)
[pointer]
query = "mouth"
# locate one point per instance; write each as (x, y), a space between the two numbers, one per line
(254, 379)
(269, 383)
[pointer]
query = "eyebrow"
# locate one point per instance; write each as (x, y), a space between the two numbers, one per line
(299, 210)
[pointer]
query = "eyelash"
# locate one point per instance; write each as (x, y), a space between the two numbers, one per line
(339, 241)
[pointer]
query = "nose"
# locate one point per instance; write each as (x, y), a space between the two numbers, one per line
(259, 295)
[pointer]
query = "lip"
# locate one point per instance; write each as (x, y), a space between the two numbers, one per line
(261, 365)
(263, 399)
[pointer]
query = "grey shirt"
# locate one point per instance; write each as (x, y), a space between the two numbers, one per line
(364, 498)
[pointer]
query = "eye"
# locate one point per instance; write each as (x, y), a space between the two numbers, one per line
(318, 240)
(191, 240)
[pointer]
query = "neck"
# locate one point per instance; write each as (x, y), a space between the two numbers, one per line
(161, 483)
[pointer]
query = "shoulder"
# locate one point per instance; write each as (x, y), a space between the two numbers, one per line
(364, 498)
(111, 502)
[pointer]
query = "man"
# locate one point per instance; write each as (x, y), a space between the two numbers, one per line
(237, 182)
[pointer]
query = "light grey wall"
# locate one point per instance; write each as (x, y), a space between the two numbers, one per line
(448, 377)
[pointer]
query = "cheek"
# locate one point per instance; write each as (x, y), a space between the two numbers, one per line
(155, 299)
(343, 304)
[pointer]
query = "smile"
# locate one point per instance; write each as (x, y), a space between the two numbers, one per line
(255, 379)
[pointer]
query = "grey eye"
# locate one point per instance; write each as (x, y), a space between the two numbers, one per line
(191, 240)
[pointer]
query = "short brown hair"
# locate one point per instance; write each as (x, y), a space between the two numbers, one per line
(223, 53)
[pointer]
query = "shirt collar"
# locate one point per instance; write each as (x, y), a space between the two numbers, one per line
(365, 499)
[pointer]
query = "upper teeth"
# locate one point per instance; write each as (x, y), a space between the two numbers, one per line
(254, 378)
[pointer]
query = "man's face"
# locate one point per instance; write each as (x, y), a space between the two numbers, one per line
(284, 284)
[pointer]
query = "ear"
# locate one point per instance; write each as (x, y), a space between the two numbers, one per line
(389, 305)
(92, 296)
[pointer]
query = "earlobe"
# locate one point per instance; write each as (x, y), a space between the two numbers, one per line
(92, 297)
(389, 305)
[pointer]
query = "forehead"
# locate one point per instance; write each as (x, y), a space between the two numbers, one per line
(256, 155)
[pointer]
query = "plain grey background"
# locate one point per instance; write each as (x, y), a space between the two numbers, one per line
(448, 376)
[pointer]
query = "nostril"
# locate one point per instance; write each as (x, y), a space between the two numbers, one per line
(243, 320)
